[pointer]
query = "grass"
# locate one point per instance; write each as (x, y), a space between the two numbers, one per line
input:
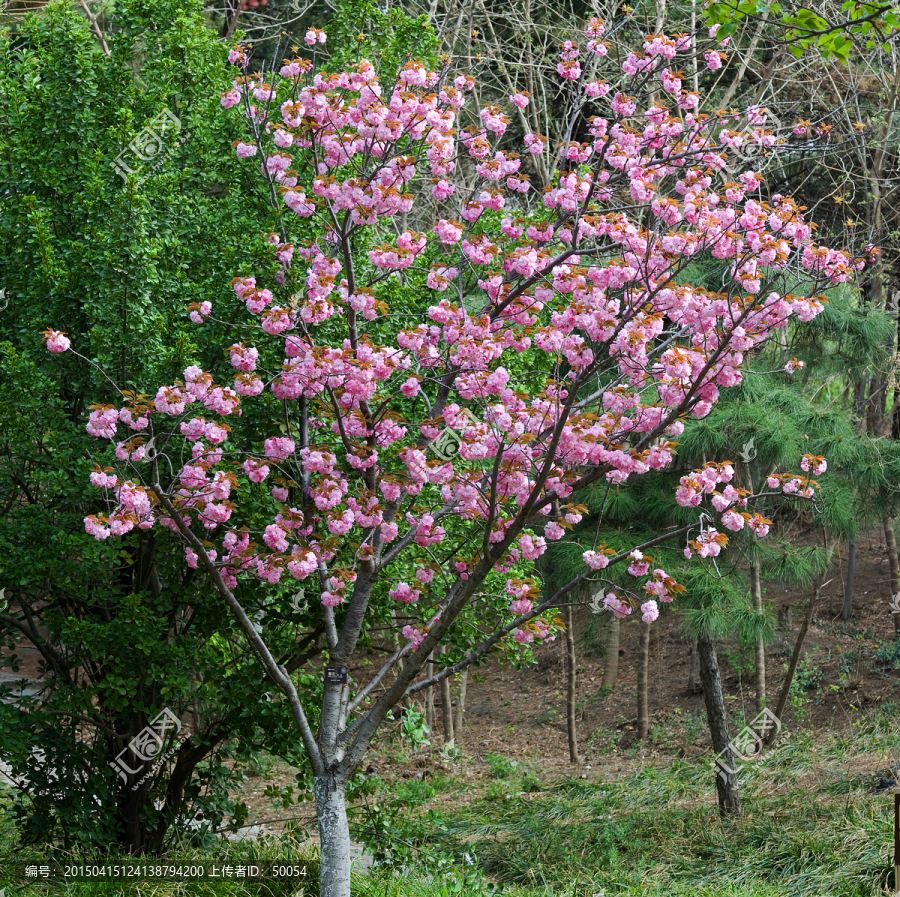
(810, 828)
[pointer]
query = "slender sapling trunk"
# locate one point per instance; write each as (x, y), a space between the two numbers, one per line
(695, 668)
(570, 687)
(611, 651)
(447, 707)
(460, 706)
(798, 647)
(429, 696)
(717, 717)
(760, 654)
(643, 720)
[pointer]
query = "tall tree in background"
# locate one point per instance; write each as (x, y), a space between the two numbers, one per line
(120, 200)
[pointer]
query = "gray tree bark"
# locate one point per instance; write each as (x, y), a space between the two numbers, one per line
(460, 705)
(334, 835)
(570, 688)
(429, 698)
(446, 708)
(695, 668)
(611, 655)
(643, 699)
(717, 717)
(760, 653)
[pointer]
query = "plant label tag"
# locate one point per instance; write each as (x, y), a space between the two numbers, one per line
(335, 675)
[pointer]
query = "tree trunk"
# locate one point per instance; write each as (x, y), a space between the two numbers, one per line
(334, 834)
(760, 658)
(660, 15)
(570, 687)
(717, 718)
(611, 664)
(395, 635)
(643, 710)
(859, 405)
(851, 576)
(798, 648)
(429, 697)
(891, 541)
(695, 668)
(447, 708)
(460, 705)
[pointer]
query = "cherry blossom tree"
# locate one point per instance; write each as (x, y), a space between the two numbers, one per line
(432, 402)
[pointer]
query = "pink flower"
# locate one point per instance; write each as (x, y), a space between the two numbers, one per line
(245, 150)
(448, 232)
(56, 341)
(276, 538)
(95, 528)
(332, 599)
(612, 602)
(203, 310)
(102, 423)
(414, 636)
(649, 611)
(521, 606)
(404, 593)
(410, 387)
(532, 547)
(279, 447)
(242, 358)
(302, 563)
(256, 471)
(595, 561)
(553, 531)
(638, 566)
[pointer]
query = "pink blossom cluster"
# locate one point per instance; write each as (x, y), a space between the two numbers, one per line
(584, 286)
(814, 463)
